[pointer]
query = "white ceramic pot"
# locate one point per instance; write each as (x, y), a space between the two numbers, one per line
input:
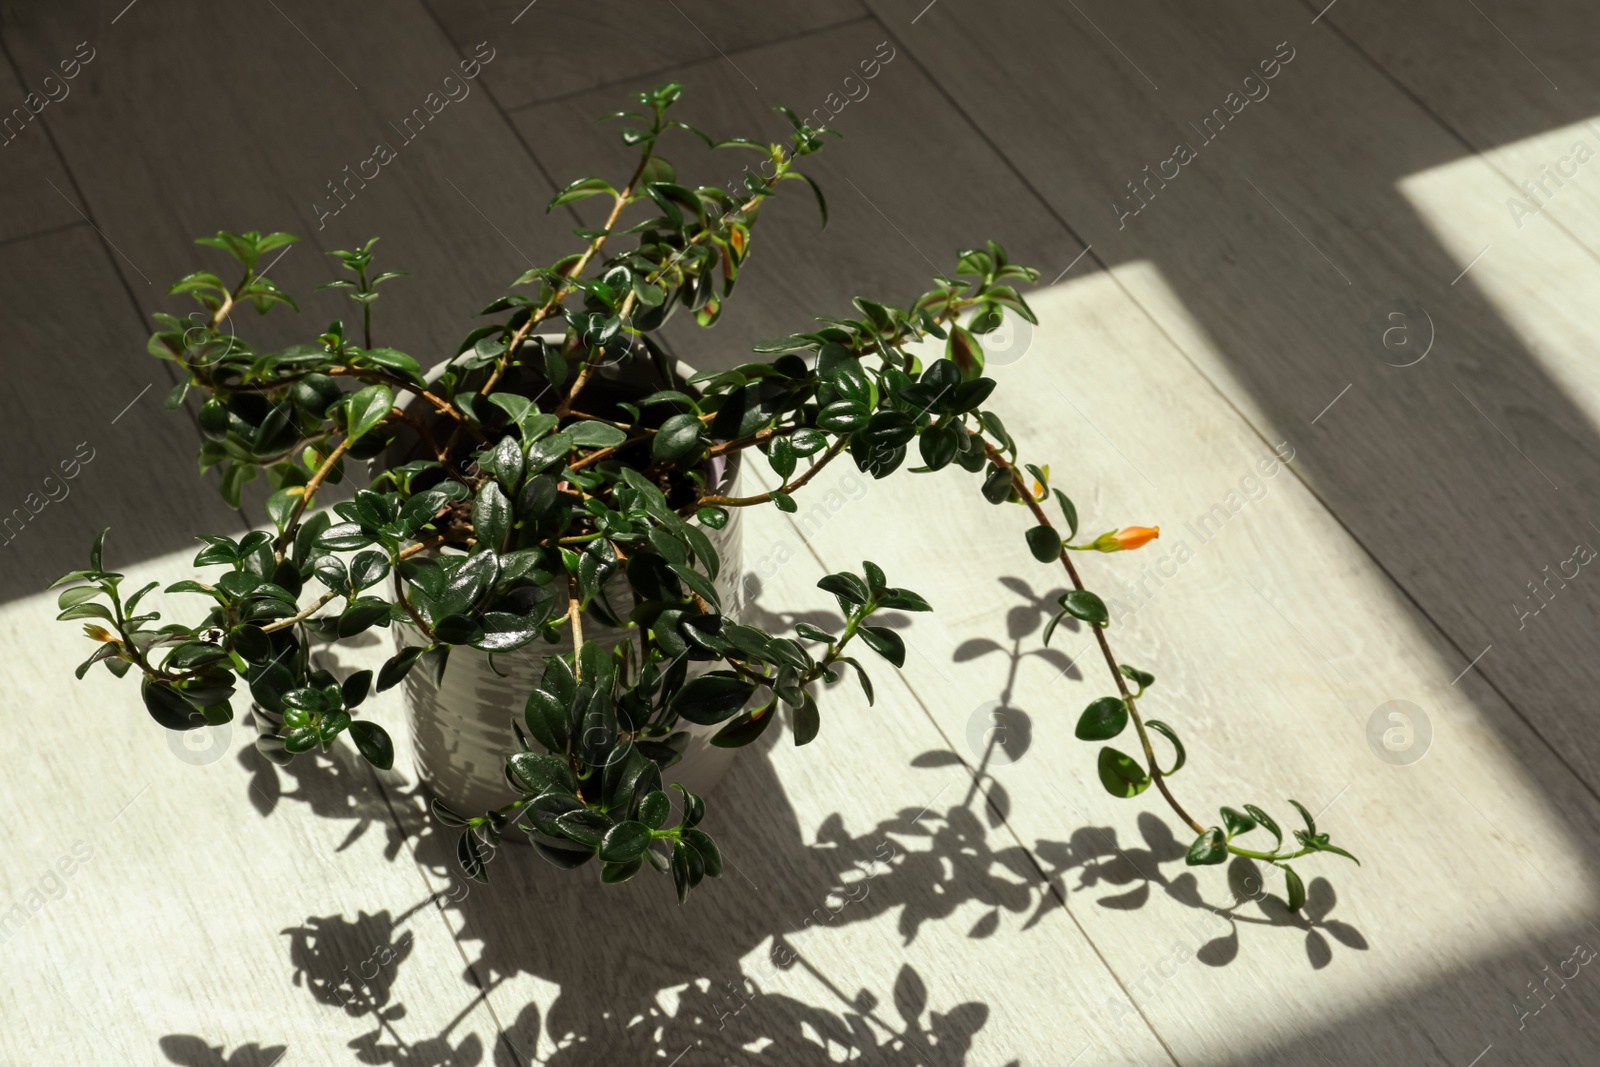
(461, 730)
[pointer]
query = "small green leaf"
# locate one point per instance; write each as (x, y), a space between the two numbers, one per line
(1263, 819)
(491, 516)
(398, 666)
(624, 842)
(1068, 511)
(595, 435)
(885, 642)
(612, 873)
(1171, 735)
(877, 584)
(1045, 544)
(1139, 678)
(373, 743)
(1237, 822)
(1121, 776)
(585, 826)
(1102, 720)
(711, 698)
(1082, 604)
(807, 720)
(710, 855)
(446, 814)
(902, 600)
(1311, 824)
(1209, 848)
(1321, 845)
(580, 190)
(1297, 888)
(367, 408)
(846, 587)
(654, 809)
(469, 856)
(540, 772)
(678, 436)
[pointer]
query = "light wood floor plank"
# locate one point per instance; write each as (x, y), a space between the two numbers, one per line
(1476, 860)
(868, 894)
(160, 897)
(1282, 247)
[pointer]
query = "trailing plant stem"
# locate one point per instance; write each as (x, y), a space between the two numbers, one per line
(1156, 776)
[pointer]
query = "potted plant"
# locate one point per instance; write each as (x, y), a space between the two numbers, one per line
(554, 508)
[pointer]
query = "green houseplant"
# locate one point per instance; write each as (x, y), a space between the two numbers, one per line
(537, 483)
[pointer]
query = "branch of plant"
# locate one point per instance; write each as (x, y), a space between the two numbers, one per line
(761, 498)
(626, 307)
(1039, 514)
(331, 595)
(292, 526)
(560, 293)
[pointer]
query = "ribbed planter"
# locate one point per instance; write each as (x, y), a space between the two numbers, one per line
(461, 729)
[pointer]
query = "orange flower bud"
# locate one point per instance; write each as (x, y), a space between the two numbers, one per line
(1129, 537)
(97, 633)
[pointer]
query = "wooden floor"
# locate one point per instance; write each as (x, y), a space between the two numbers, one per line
(1363, 264)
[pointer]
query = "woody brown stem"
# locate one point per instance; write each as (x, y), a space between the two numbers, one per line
(1156, 776)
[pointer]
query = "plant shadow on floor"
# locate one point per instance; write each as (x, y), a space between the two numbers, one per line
(639, 975)
(190, 1051)
(1095, 852)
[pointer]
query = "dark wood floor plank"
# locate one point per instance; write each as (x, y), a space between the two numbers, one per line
(33, 184)
(1280, 249)
(558, 47)
(88, 444)
(897, 183)
(196, 118)
(1517, 82)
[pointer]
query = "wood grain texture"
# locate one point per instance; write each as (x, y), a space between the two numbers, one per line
(29, 165)
(110, 456)
(164, 898)
(218, 916)
(896, 213)
(270, 109)
(1282, 247)
(562, 47)
(872, 908)
(1476, 861)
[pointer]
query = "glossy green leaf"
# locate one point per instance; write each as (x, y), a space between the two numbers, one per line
(1044, 543)
(1171, 735)
(1209, 848)
(885, 642)
(624, 842)
(373, 743)
(581, 189)
(491, 515)
(1121, 776)
(1296, 888)
(1102, 720)
(712, 698)
(1267, 821)
(678, 436)
(1237, 822)
(595, 435)
(1311, 824)
(1082, 604)
(366, 408)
